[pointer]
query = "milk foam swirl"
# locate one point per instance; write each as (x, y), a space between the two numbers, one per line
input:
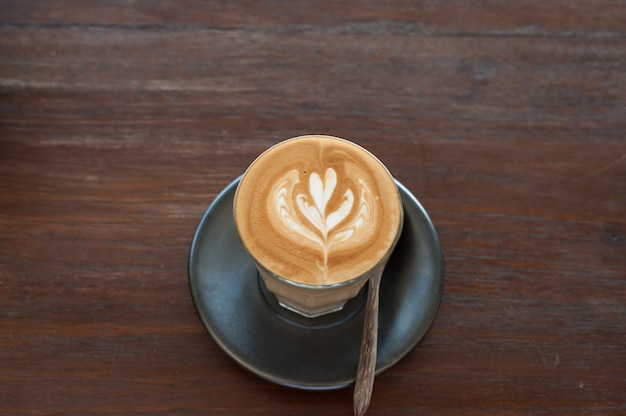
(309, 215)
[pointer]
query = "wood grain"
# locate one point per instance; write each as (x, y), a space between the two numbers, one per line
(585, 18)
(121, 121)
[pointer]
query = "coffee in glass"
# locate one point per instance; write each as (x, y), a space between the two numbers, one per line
(317, 214)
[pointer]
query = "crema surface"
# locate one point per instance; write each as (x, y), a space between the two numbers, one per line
(317, 210)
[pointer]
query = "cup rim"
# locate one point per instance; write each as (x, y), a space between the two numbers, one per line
(334, 285)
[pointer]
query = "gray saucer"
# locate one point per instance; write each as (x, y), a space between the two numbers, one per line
(315, 355)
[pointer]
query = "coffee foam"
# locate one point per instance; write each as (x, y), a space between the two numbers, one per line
(317, 210)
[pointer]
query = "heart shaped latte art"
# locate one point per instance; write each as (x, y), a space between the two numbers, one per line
(318, 214)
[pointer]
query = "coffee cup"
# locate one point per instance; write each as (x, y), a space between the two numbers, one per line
(318, 215)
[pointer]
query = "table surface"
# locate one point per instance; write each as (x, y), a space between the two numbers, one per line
(121, 121)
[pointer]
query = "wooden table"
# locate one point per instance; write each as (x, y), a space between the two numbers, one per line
(121, 121)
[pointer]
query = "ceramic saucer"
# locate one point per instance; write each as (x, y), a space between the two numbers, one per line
(245, 322)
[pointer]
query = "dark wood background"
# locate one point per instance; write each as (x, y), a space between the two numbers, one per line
(120, 121)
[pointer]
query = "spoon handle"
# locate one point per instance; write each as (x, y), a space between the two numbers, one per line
(367, 359)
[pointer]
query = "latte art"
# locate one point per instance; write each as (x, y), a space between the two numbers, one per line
(310, 216)
(317, 210)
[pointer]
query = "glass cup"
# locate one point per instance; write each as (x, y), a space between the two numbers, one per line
(319, 215)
